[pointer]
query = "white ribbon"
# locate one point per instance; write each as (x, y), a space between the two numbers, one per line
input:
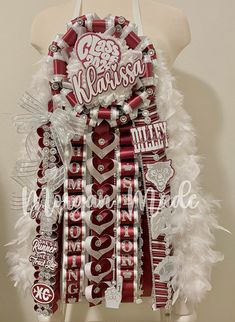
(137, 16)
(65, 125)
(77, 8)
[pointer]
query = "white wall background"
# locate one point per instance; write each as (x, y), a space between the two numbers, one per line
(206, 75)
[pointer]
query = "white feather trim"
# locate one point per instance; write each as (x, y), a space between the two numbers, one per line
(192, 232)
(21, 271)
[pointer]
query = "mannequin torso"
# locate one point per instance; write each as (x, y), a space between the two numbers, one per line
(171, 38)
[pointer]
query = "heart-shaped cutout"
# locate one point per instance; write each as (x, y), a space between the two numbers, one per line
(97, 51)
(95, 293)
(107, 164)
(98, 246)
(102, 170)
(96, 271)
(99, 221)
(102, 141)
(101, 191)
(101, 146)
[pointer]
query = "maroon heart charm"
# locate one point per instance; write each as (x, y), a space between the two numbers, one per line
(98, 246)
(97, 271)
(100, 220)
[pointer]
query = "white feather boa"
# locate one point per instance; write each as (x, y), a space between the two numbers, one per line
(192, 229)
(21, 271)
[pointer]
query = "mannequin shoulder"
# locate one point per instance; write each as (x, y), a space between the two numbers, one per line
(171, 30)
(173, 21)
(47, 24)
(180, 22)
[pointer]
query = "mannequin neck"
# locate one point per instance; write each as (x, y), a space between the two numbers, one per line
(121, 7)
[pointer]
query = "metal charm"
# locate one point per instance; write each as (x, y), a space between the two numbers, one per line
(159, 173)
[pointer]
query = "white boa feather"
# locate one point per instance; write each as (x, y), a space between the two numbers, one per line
(192, 230)
(21, 271)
